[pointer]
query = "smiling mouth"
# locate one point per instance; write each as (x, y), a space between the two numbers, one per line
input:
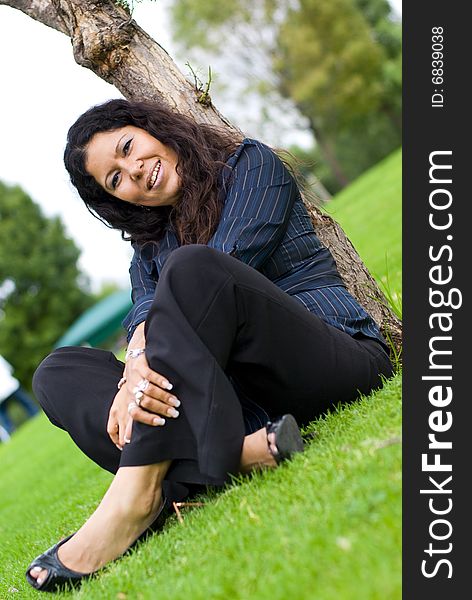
(154, 174)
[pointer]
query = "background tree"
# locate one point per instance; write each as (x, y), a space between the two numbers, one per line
(41, 288)
(107, 41)
(339, 61)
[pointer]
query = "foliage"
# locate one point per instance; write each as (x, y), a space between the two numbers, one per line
(338, 60)
(128, 5)
(202, 89)
(41, 288)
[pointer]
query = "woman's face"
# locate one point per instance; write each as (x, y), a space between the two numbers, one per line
(132, 165)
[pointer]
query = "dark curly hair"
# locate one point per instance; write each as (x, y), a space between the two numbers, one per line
(202, 151)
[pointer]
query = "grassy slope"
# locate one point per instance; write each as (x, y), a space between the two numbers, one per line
(324, 527)
(369, 211)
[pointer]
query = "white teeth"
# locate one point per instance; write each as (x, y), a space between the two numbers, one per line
(155, 173)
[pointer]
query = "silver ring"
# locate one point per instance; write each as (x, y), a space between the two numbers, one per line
(131, 405)
(143, 385)
(138, 397)
(121, 383)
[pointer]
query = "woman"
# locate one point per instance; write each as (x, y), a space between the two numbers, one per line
(239, 316)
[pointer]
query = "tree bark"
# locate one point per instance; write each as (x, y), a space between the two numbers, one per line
(105, 40)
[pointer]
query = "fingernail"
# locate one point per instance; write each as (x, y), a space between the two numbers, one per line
(174, 401)
(158, 421)
(127, 441)
(119, 447)
(173, 413)
(167, 384)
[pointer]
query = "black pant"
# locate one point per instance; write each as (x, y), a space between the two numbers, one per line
(216, 325)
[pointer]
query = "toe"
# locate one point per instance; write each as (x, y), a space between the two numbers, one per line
(38, 574)
(35, 571)
(272, 444)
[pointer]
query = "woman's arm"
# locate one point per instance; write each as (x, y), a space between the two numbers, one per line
(143, 288)
(258, 204)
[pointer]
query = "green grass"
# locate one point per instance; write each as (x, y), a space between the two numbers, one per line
(325, 526)
(369, 211)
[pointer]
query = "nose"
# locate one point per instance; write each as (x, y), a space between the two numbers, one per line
(135, 169)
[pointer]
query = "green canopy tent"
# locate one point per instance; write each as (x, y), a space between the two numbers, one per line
(99, 322)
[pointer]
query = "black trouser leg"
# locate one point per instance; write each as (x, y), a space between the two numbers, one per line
(76, 387)
(214, 316)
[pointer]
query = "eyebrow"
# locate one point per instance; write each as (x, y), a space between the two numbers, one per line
(116, 153)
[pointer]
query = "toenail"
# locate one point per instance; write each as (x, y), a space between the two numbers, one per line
(39, 580)
(37, 569)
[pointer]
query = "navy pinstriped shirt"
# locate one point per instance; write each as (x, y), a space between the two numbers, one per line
(264, 223)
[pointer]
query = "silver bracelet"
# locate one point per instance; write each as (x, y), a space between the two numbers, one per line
(134, 353)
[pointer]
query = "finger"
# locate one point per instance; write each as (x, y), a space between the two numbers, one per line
(157, 407)
(128, 430)
(125, 418)
(143, 416)
(113, 430)
(140, 366)
(156, 393)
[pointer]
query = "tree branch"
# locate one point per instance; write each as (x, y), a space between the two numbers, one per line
(43, 11)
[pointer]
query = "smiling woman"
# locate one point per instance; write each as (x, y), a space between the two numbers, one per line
(239, 316)
(134, 166)
(114, 149)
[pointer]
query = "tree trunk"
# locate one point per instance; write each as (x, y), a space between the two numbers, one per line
(105, 40)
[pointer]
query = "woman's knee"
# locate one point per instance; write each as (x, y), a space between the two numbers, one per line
(43, 376)
(44, 382)
(191, 256)
(51, 371)
(195, 266)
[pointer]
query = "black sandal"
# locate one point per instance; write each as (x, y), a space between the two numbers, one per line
(59, 576)
(288, 439)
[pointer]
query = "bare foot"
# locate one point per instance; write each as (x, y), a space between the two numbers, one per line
(256, 454)
(128, 508)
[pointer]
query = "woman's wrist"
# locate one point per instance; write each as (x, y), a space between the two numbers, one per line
(135, 348)
(137, 340)
(133, 353)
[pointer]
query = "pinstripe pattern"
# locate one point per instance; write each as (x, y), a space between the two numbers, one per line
(265, 224)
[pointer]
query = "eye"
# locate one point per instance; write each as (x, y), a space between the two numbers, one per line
(126, 147)
(114, 181)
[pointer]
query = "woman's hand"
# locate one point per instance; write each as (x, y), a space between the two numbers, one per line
(156, 402)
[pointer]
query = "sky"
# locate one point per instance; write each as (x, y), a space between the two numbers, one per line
(43, 92)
